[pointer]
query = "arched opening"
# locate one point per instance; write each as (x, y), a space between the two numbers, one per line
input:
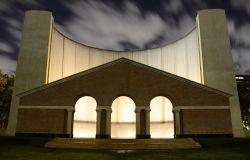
(123, 118)
(161, 118)
(84, 125)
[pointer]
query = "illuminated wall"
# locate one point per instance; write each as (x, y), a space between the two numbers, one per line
(180, 57)
(69, 57)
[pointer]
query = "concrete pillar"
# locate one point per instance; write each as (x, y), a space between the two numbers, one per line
(33, 59)
(70, 119)
(177, 122)
(217, 67)
(103, 129)
(142, 131)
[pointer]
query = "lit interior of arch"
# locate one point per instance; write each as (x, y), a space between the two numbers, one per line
(161, 118)
(84, 125)
(123, 118)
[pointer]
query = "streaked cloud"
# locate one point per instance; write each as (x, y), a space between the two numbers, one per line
(5, 47)
(174, 6)
(126, 24)
(240, 46)
(100, 25)
(241, 4)
(7, 65)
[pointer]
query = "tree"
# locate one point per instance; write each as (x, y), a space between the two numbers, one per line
(244, 98)
(6, 89)
(3, 81)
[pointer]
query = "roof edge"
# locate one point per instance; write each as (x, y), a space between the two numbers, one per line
(91, 70)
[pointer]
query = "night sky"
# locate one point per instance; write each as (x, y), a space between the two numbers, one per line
(124, 24)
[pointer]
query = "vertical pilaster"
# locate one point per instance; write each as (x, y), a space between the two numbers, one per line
(98, 121)
(148, 122)
(177, 122)
(108, 121)
(69, 128)
(137, 114)
(142, 122)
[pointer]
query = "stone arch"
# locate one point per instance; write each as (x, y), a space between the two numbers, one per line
(114, 97)
(123, 117)
(161, 117)
(172, 99)
(84, 124)
(88, 94)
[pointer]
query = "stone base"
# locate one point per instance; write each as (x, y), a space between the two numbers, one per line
(145, 136)
(105, 136)
(44, 135)
(203, 136)
(123, 144)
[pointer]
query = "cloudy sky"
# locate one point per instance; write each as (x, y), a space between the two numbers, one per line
(124, 24)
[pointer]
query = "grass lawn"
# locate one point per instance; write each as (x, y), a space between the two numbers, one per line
(25, 148)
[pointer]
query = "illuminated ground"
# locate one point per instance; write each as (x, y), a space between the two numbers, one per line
(23, 148)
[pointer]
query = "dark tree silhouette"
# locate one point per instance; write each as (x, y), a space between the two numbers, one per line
(244, 97)
(6, 89)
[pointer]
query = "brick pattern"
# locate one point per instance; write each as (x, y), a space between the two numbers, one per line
(212, 121)
(123, 78)
(143, 122)
(47, 121)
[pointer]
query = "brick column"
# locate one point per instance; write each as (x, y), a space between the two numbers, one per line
(70, 120)
(177, 122)
(142, 122)
(103, 122)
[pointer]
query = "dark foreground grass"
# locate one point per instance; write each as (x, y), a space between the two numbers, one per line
(26, 148)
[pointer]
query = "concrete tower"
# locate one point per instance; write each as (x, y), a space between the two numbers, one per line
(216, 60)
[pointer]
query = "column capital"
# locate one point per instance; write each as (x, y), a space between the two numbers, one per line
(139, 108)
(176, 109)
(107, 108)
(71, 109)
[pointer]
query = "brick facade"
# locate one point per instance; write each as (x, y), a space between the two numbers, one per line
(125, 77)
(47, 121)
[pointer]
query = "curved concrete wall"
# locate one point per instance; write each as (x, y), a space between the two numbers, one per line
(69, 57)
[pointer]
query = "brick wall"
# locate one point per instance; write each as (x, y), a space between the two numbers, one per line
(212, 121)
(48, 121)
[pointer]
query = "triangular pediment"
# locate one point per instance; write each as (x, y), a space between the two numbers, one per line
(131, 63)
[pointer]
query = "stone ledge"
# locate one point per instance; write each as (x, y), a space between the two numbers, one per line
(43, 135)
(204, 136)
(121, 144)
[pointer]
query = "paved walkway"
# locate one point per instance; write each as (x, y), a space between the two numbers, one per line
(128, 144)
